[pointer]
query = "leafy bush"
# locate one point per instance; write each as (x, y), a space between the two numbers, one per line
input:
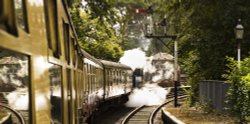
(238, 76)
(192, 69)
(206, 107)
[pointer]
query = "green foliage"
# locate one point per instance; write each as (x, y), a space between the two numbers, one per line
(130, 22)
(96, 20)
(130, 43)
(206, 35)
(239, 91)
(205, 31)
(102, 9)
(192, 68)
(96, 37)
(206, 107)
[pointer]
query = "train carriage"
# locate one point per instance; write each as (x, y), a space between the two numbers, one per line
(93, 83)
(41, 61)
(117, 80)
(45, 77)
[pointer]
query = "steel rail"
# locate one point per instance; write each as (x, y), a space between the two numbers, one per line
(19, 116)
(153, 114)
(131, 114)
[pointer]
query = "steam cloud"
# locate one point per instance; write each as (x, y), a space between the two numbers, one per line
(149, 95)
(3, 76)
(18, 99)
(12, 76)
(134, 58)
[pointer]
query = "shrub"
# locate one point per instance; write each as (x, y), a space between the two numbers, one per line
(238, 76)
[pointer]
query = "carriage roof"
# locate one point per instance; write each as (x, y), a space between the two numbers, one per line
(114, 64)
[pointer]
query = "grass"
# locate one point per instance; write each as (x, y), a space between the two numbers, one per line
(192, 115)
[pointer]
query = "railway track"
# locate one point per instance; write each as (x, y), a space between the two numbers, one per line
(148, 114)
(14, 116)
(140, 115)
(155, 117)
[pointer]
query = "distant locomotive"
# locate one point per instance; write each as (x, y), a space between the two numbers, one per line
(137, 77)
(45, 77)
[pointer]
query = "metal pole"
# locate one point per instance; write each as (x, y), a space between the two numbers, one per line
(176, 80)
(175, 73)
(238, 53)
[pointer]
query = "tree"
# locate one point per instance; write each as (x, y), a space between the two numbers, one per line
(206, 36)
(108, 22)
(204, 29)
(130, 22)
(96, 37)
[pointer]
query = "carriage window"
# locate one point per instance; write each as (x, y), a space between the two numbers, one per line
(117, 77)
(14, 84)
(7, 20)
(122, 76)
(106, 77)
(2, 13)
(88, 77)
(95, 78)
(92, 78)
(100, 78)
(69, 91)
(52, 27)
(55, 75)
(80, 89)
(66, 41)
(111, 77)
(72, 50)
(79, 63)
(20, 10)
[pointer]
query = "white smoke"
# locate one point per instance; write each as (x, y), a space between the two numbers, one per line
(158, 76)
(23, 71)
(19, 99)
(144, 42)
(163, 74)
(56, 90)
(163, 71)
(134, 58)
(149, 95)
(149, 67)
(3, 74)
(42, 101)
(15, 81)
(10, 76)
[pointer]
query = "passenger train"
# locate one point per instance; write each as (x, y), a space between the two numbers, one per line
(45, 76)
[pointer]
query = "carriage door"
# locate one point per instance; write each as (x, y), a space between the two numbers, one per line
(69, 97)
